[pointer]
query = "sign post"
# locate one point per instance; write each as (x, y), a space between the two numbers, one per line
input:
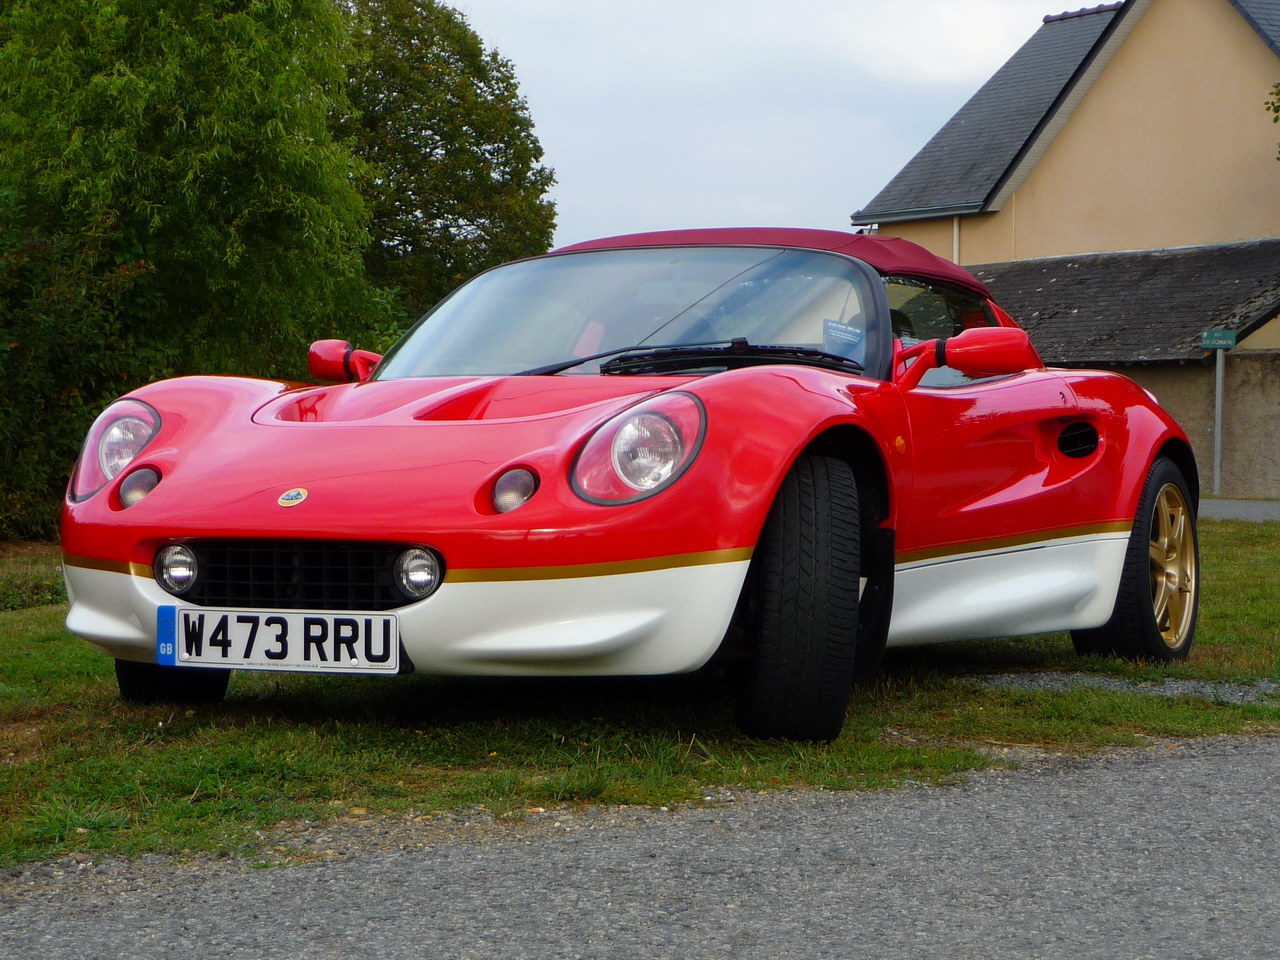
(1219, 341)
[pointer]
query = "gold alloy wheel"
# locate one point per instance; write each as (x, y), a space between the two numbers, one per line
(1173, 566)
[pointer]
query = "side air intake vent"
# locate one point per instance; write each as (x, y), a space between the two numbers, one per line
(1078, 439)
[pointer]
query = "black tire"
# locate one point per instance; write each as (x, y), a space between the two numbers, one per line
(152, 683)
(1159, 599)
(803, 607)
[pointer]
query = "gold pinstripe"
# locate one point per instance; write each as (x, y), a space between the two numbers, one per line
(1009, 543)
(496, 575)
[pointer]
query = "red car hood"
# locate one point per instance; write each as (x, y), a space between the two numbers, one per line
(376, 460)
(453, 400)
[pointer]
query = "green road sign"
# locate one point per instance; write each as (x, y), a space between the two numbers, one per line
(1217, 339)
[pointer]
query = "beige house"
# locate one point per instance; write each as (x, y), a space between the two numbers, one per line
(1116, 185)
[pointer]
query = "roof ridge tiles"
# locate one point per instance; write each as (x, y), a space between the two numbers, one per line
(1084, 12)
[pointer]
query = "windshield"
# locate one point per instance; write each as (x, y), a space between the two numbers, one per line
(554, 309)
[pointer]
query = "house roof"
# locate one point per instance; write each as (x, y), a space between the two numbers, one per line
(1142, 307)
(959, 169)
(1263, 16)
(984, 152)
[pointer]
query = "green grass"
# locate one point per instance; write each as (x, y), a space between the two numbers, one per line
(81, 771)
(30, 575)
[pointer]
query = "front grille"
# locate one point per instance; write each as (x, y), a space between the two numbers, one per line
(296, 575)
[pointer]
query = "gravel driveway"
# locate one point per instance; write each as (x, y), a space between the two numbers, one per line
(1169, 851)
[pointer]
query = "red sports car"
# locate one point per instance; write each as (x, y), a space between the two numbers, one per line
(784, 448)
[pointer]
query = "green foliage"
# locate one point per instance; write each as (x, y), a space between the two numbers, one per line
(457, 185)
(1274, 106)
(171, 200)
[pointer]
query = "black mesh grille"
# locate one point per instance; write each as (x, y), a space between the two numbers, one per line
(296, 575)
(1078, 439)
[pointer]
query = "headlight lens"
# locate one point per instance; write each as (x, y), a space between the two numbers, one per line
(646, 450)
(176, 568)
(114, 441)
(417, 573)
(641, 451)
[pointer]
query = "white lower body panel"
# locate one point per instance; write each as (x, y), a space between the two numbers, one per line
(1067, 584)
(650, 622)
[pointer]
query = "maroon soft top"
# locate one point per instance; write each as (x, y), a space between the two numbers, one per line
(889, 255)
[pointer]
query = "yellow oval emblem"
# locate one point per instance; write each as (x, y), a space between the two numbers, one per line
(291, 498)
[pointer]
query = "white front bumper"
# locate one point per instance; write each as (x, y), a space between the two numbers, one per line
(649, 622)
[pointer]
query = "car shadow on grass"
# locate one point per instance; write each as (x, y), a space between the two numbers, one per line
(700, 702)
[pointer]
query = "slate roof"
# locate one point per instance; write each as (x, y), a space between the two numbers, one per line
(1144, 307)
(966, 166)
(1263, 16)
(961, 167)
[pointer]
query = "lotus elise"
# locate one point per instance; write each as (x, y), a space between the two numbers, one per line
(783, 449)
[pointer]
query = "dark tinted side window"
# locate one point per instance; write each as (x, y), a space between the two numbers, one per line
(922, 310)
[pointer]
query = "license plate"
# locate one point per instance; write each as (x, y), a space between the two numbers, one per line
(277, 640)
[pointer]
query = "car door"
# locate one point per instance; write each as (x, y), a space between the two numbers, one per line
(991, 488)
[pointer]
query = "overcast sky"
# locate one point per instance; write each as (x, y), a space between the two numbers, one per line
(683, 113)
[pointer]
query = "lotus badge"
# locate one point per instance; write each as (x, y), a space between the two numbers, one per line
(291, 498)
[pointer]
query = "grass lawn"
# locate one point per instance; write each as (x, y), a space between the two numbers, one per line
(81, 771)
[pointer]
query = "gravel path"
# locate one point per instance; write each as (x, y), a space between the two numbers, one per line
(1169, 851)
(1258, 692)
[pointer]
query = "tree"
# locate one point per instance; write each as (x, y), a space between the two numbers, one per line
(1274, 106)
(171, 200)
(458, 186)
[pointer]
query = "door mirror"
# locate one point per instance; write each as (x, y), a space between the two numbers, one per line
(977, 352)
(991, 352)
(336, 361)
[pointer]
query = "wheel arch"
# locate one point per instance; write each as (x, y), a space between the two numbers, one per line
(855, 446)
(1179, 451)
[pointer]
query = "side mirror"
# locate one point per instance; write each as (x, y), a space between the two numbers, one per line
(336, 361)
(991, 352)
(977, 352)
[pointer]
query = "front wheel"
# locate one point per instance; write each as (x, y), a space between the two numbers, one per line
(802, 606)
(152, 683)
(1159, 598)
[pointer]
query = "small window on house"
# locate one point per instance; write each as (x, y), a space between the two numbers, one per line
(922, 310)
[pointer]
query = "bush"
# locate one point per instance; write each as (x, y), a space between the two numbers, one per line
(171, 201)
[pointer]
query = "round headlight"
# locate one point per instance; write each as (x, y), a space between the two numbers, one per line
(640, 451)
(115, 439)
(646, 450)
(176, 568)
(417, 573)
(513, 489)
(137, 485)
(121, 442)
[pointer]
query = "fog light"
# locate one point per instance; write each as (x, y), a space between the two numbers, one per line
(513, 489)
(176, 569)
(417, 573)
(137, 485)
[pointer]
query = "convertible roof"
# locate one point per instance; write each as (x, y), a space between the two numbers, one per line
(889, 255)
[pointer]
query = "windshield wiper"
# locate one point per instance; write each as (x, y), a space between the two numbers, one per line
(561, 365)
(733, 353)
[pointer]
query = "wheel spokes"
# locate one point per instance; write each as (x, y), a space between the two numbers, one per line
(1173, 565)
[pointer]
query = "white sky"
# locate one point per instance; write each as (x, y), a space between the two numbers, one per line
(692, 113)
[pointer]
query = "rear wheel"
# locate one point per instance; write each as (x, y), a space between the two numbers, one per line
(1159, 598)
(152, 683)
(803, 606)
